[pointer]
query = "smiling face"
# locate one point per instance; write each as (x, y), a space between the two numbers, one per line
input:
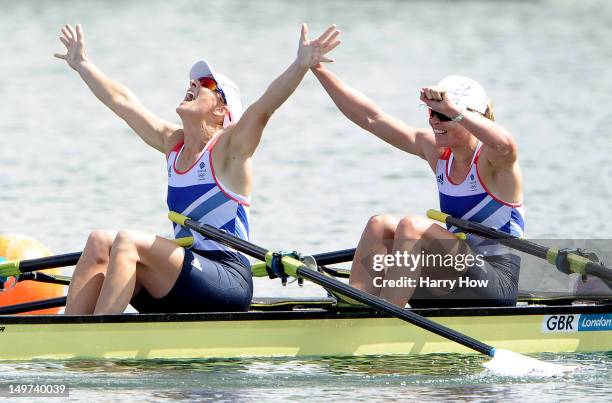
(448, 133)
(201, 103)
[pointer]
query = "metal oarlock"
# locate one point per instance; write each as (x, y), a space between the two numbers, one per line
(562, 263)
(276, 269)
(311, 263)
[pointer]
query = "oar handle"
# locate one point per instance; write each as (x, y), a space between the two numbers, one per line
(491, 233)
(219, 236)
(437, 215)
(469, 226)
(577, 264)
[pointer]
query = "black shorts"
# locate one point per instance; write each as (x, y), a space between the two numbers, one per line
(210, 281)
(501, 273)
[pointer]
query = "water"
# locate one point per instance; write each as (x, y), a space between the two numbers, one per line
(434, 377)
(68, 166)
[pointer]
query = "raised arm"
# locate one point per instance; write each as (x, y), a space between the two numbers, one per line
(500, 148)
(153, 130)
(367, 115)
(247, 133)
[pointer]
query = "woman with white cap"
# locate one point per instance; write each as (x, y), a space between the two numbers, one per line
(475, 163)
(209, 180)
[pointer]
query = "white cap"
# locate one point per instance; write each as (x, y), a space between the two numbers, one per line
(232, 95)
(465, 92)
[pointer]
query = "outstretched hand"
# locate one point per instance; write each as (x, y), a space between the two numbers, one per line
(74, 41)
(436, 98)
(311, 53)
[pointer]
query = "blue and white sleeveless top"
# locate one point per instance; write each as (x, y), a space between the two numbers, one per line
(471, 200)
(198, 194)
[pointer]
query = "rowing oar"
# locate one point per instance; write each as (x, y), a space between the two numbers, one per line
(503, 361)
(28, 271)
(12, 268)
(566, 261)
(18, 268)
(33, 306)
(258, 269)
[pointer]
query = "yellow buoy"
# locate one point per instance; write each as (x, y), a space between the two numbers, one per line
(23, 247)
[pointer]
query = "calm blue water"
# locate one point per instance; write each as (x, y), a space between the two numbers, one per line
(68, 166)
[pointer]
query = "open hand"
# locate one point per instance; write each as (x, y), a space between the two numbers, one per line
(311, 53)
(74, 41)
(437, 99)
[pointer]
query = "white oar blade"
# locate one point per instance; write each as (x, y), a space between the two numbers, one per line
(508, 363)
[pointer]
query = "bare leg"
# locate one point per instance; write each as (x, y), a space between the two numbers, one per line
(376, 239)
(89, 274)
(138, 259)
(416, 234)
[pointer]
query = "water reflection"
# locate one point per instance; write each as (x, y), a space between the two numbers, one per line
(434, 376)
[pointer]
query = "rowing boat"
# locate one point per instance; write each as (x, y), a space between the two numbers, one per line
(357, 323)
(297, 328)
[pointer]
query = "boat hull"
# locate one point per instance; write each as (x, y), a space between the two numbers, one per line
(299, 333)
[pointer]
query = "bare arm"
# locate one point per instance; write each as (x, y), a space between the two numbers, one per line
(153, 130)
(249, 129)
(501, 149)
(367, 115)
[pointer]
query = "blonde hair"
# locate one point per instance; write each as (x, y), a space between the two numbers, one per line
(489, 114)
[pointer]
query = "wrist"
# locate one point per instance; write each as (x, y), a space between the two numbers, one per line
(303, 60)
(82, 66)
(460, 115)
(317, 68)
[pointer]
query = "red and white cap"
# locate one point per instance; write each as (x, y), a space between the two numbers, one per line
(232, 95)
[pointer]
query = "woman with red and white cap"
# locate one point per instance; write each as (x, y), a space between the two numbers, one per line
(475, 163)
(209, 180)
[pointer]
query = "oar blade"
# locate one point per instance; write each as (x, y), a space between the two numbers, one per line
(509, 363)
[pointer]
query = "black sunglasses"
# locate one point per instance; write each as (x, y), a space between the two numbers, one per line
(441, 117)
